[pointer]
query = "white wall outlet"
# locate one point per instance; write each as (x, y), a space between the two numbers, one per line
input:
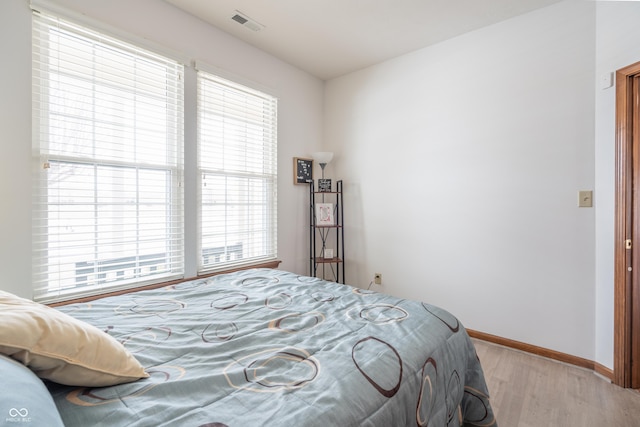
(377, 278)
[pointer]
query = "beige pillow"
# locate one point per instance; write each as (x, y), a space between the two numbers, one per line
(62, 349)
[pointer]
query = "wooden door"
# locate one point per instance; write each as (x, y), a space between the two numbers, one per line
(626, 370)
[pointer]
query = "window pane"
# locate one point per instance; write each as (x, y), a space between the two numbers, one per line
(237, 160)
(108, 132)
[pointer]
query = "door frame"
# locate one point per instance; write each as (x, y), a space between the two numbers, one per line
(626, 371)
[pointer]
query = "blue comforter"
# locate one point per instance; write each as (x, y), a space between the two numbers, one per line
(271, 348)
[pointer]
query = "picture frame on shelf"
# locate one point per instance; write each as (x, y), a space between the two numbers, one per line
(302, 170)
(328, 253)
(324, 185)
(324, 214)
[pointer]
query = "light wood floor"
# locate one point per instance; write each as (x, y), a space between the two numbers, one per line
(532, 391)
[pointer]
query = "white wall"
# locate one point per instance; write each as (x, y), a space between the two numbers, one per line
(15, 144)
(617, 45)
(299, 116)
(462, 163)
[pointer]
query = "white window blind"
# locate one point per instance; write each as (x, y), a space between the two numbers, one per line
(107, 136)
(237, 165)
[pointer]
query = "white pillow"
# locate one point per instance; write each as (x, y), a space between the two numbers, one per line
(62, 349)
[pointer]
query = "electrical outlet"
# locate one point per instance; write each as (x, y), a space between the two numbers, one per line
(377, 278)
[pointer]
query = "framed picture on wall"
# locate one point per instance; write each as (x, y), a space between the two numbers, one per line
(302, 170)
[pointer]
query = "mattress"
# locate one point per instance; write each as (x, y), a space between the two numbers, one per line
(267, 347)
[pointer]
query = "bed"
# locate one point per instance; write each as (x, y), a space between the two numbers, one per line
(265, 347)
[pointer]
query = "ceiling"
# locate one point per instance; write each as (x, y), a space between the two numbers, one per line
(329, 38)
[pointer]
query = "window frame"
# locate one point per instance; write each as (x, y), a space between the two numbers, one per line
(45, 157)
(264, 147)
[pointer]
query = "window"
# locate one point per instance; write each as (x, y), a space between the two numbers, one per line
(237, 166)
(107, 136)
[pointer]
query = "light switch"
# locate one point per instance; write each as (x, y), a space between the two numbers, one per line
(585, 198)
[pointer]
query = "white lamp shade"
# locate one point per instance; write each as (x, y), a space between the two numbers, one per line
(322, 157)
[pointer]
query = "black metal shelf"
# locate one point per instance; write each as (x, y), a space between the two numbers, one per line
(321, 235)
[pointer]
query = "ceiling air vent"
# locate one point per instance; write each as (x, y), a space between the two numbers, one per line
(247, 22)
